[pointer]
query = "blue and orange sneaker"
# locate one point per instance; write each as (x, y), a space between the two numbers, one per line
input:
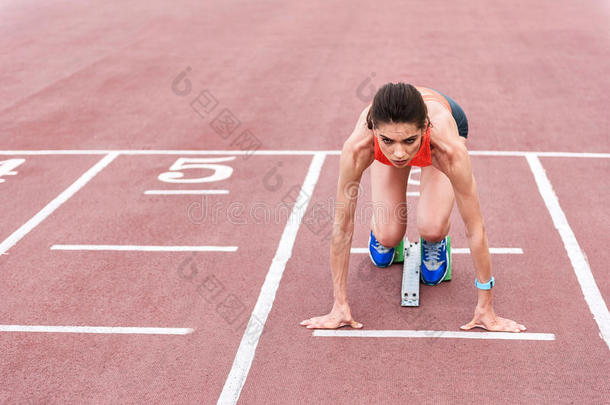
(381, 256)
(434, 261)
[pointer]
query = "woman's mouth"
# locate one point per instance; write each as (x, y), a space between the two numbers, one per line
(400, 162)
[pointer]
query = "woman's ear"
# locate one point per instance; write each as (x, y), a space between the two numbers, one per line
(369, 119)
(429, 123)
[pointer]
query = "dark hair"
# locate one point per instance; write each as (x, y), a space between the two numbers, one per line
(398, 102)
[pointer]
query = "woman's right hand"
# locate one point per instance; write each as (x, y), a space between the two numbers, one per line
(339, 316)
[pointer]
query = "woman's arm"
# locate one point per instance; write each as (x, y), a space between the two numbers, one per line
(467, 199)
(452, 158)
(356, 155)
(350, 174)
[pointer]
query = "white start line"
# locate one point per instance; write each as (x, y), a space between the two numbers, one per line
(444, 334)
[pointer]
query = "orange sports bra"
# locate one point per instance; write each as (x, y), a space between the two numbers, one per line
(423, 156)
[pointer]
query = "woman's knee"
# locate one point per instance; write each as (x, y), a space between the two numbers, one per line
(390, 236)
(433, 231)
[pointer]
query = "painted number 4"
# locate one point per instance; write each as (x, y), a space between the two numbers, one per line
(7, 167)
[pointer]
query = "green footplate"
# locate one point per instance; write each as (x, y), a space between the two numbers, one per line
(399, 252)
(448, 275)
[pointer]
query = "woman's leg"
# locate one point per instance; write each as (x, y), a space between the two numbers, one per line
(433, 223)
(435, 204)
(389, 202)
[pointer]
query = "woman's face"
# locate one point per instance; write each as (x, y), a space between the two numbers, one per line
(399, 142)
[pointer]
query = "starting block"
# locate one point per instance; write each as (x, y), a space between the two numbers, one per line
(411, 274)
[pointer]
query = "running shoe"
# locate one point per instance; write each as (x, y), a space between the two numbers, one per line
(434, 261)
(380, 255)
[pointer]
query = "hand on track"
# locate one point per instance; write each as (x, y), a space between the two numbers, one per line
(487, 319)
(339, 316)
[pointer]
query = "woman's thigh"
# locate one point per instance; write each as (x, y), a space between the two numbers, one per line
(389, 202)
(435, 204)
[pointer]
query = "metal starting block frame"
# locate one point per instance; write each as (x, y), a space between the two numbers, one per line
(411, 271)
(410, 274)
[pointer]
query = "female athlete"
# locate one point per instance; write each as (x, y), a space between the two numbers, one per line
(408, 126)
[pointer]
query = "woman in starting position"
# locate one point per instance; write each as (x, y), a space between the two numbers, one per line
(406, 126)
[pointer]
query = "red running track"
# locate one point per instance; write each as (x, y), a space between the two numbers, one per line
(84, 76)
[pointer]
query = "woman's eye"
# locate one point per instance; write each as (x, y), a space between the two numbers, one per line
(410, 141)
(387, 141)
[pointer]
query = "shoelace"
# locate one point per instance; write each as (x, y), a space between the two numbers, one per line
(380, 248)
(433, 250)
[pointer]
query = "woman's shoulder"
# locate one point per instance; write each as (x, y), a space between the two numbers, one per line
(360, 145)
(434, 99)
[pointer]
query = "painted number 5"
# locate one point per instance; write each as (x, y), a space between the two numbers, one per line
(7, 166)
(175, 175)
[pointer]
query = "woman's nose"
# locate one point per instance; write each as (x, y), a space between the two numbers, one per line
(400, 154)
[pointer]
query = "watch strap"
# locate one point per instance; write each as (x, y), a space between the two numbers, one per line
(485, 286)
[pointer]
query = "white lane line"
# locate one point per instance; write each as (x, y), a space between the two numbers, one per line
(56, 203)
(542, 154)
(58, 152)
(170, 152)
(247, 347)
(148, 248)
(493, 251)
(446, 334)
(589, 288)
(185, 192)
(283, 152)
(96, 329)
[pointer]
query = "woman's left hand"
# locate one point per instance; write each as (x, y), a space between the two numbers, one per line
(486, 318)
